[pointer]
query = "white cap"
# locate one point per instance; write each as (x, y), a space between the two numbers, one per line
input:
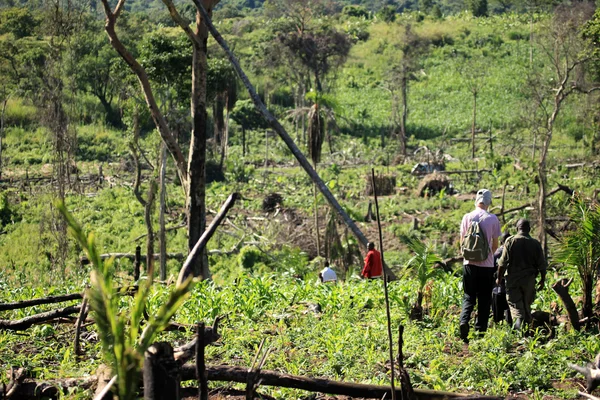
(328, 275)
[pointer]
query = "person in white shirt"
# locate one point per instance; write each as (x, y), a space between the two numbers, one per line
(327, 274)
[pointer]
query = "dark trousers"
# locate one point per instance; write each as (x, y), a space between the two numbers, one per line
(478, 283)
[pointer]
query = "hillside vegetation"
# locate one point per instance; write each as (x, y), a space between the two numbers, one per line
(75, 128)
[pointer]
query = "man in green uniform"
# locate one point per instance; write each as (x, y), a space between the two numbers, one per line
(522, 260)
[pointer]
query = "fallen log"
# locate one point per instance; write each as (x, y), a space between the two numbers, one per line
(272, 378)
(126, 291)
(24, 323)
(36, 302)
(55, 389)
(130, 256)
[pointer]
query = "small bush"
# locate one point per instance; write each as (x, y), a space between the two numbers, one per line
(250, 257)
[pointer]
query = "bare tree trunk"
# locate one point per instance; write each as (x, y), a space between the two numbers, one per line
(316, 208)
(148, 220)
(196, 208)
(288, 140)
(162, 236)
(404, 116)
(474, 124)
(2, 115)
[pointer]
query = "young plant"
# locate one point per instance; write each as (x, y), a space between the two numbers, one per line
(123, 344)
(421, 267)
(581, 248)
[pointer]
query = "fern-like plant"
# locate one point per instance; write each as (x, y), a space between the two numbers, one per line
(124, 342)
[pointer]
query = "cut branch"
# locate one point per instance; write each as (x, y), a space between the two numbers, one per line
(272, 378)
(24, 323)
(562, 290)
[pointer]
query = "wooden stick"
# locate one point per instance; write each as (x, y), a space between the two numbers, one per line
(385, 280)
(561, 288)
(273, 378)
(200, 364)
(127, 291)
(24, 323)
(251, 377)
(106, 389)
(186, 270)
(36, 302)
(80, 319)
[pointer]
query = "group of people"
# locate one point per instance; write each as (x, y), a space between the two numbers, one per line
(488, 268)
(513, 267)
(372, 269)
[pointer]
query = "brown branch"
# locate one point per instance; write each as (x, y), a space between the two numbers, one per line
(183, 24)
(562, 290)
(136, 67)
(186, 269)
(36, 302)
(31, 389)
(24, 323)
(272, 378)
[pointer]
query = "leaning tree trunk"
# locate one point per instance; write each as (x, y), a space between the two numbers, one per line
(271, 120)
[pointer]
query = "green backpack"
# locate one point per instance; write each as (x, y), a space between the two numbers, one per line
(475, 246)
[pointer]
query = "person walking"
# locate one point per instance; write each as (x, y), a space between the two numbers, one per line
(521, 262)
(372, 267)
(479, 233)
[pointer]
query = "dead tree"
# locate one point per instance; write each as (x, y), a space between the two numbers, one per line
(192, 172)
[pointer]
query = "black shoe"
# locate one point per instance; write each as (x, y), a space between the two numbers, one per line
(464, 333)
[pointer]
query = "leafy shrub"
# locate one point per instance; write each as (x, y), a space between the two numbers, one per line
(513, 35)
(250, 257)
(239, 172)
(7, 213)
(355, 11)
(387, 14)
(214, 172)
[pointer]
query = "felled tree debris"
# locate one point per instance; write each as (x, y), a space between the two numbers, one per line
(386, 185)
(271, 201)
(591, 372)
(24, 323)
(433, 184)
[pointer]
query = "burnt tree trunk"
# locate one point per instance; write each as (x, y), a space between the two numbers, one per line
(161, 373)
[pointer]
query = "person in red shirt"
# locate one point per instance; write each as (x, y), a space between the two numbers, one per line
(373, 267)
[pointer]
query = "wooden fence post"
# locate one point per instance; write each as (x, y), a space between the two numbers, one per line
(161, 373)
(137, 263)
(200, 364)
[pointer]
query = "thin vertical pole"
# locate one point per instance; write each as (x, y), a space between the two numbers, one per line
(137, 263)
(385, 288)
(162, 235)
(200, 364)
